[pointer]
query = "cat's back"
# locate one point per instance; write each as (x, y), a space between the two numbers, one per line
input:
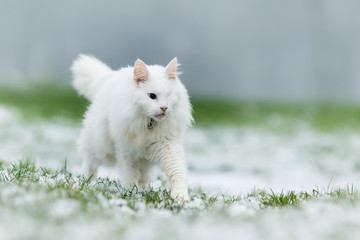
(113, 96)
(118, 84)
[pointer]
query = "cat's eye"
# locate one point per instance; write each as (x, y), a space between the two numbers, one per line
(152, 96)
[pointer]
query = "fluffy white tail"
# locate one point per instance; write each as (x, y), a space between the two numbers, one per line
(89, 74)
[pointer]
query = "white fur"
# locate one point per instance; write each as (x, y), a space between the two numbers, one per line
(89, 74)
(116, 125)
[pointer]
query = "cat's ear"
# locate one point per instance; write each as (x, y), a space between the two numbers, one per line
(171, 69)
(141, 73)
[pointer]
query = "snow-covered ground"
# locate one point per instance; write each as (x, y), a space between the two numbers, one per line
(228, 160)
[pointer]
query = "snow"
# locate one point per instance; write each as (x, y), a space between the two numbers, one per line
(299, 160)
(230, 160)
(221, 160)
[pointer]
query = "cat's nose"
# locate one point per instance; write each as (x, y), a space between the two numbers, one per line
(163, 108)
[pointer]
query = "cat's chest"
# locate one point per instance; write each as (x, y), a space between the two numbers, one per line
(139, 135)
(140, 140)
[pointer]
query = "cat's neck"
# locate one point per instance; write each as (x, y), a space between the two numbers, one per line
(148, 129)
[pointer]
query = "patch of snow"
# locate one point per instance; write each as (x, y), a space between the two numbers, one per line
(230, 160)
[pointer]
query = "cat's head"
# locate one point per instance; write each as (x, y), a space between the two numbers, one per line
(158, 89)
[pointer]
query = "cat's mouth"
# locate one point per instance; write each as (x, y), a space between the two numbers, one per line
(161, 115)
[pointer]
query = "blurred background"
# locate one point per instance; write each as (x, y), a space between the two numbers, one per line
(275, 91)
(274, 84)
(248, 49)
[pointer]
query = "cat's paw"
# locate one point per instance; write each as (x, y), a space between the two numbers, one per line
(180, 195)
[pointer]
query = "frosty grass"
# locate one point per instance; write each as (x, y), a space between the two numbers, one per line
(245, 183)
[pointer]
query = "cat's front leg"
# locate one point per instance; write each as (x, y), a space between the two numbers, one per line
(171, 158)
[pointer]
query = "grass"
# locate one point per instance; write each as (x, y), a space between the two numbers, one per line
(44, 202)
(321, 116)
(98, 195)
(54, 101)
(45, 102)
(58, 204)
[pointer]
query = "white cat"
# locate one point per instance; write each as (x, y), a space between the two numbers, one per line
(136, 120)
